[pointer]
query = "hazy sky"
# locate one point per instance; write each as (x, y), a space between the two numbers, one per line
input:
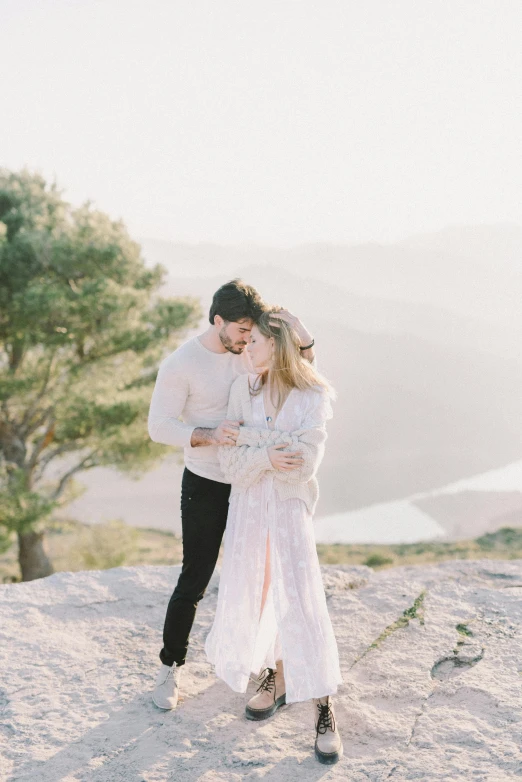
(269, 121)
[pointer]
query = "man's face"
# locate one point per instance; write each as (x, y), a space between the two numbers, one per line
(235, 335)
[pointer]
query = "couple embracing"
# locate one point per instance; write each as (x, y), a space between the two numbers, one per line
(253, 411)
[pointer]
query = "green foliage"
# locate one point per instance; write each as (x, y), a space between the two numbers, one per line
(105, 546)
(415, 611)
(82, 330)
(378, 560)
(21, 508)
(502, 538)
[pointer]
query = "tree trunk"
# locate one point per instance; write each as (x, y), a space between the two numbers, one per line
(34, 562)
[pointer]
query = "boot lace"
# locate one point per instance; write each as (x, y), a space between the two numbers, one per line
(268, 682)
(326, 718)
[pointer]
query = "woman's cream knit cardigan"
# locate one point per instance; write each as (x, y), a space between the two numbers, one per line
(246, 462)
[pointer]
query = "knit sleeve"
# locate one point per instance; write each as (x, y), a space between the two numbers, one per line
(250, 435)
(310, 439)
(319, 410)
(242, 465)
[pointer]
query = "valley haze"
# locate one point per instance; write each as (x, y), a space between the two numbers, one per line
(421, 339)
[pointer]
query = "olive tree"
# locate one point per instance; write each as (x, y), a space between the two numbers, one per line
(82, 330)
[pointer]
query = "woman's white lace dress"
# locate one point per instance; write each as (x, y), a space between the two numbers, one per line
(295, 625)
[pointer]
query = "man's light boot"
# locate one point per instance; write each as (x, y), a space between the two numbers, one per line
(270, 695)
(328, 744)
(166, 692)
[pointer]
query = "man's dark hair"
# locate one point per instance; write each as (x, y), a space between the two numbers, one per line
(236, 300)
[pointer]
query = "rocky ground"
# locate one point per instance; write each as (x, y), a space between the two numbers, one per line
(431, 658)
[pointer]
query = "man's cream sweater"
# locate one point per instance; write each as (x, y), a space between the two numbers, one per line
(194, 383)
(246, 462)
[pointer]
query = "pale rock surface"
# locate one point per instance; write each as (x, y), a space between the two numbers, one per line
(437, 697)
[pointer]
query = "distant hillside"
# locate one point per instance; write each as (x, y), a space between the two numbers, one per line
(420, 405)
(320, 300)
(480, 511)
(412, 416)
(464, 279)
(428, 393)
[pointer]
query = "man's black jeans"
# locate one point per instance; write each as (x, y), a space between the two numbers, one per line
(204, 509)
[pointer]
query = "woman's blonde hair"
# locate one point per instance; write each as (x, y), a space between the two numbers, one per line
(289, 369)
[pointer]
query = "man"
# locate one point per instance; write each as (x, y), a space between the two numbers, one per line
(194, 383)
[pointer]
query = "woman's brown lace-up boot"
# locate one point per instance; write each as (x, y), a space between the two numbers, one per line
(328, 744)
(270, 695)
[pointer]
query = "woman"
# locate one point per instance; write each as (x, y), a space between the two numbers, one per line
(271, 612)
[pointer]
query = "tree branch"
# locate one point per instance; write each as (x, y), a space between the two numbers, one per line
(29, 412)
(40, 444)
(35, 424)
(68, 475)
(61, 449)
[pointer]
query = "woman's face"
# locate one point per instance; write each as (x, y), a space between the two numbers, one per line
(260, 349)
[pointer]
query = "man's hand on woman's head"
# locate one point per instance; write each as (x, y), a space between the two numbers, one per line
(293, 321)
(305, 338)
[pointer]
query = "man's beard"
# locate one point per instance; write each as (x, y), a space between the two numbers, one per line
(228, 344)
